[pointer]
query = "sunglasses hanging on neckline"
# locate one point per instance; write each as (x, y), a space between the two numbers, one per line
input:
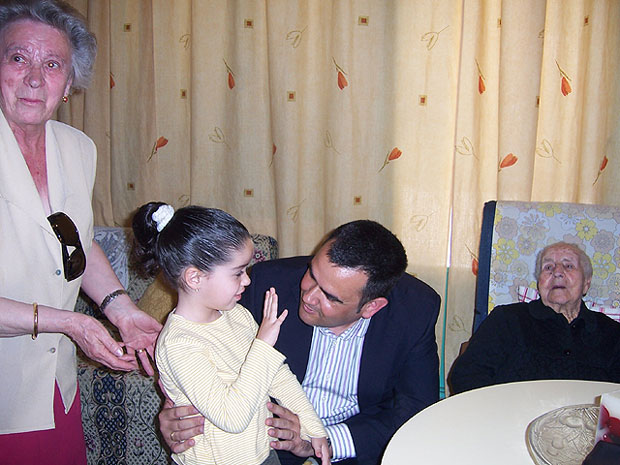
(68, 236)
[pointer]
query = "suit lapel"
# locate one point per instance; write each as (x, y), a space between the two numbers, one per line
(377, 356)
(295, 334)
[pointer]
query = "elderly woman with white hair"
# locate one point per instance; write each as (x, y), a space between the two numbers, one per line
(553, 337)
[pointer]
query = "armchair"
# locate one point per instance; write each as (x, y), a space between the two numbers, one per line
(514, 232)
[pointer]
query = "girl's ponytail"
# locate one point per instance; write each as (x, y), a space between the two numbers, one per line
(148, 222)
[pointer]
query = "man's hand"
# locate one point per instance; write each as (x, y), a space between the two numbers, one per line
(287, 430)
(178, 425)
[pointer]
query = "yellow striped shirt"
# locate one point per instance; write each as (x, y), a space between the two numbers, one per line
(228, 375)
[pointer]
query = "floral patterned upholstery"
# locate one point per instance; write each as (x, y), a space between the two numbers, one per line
(519, 230)
(119, 409)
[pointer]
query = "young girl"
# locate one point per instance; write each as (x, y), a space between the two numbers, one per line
(211, 353)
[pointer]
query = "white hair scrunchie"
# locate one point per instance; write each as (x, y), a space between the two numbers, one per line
(162, 216)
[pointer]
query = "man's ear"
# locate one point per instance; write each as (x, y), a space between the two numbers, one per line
(373, 306)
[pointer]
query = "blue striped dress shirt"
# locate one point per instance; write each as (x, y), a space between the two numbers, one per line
(331, 382)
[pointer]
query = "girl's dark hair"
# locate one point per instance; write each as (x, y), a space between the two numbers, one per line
(195, 236)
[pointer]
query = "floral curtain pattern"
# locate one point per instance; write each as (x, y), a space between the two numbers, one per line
(297, 116)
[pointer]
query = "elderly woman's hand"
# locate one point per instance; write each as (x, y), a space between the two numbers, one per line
(138, 330)
(96, 342)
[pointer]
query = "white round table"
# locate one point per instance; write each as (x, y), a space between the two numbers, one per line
(485, 426)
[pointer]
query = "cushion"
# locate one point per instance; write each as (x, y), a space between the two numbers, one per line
(158, 299)
(526, 294)
(115, 242)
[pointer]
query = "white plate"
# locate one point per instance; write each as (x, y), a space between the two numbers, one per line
(563, 436)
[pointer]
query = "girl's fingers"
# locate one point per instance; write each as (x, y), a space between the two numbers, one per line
(267, 305)
(270, 310)
(274, 302)
(282, 317)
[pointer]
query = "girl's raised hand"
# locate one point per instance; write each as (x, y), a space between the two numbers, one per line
(270, 327)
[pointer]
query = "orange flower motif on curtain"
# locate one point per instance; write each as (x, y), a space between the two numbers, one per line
(601, 168)
(342, 81)
(565, 84)
(231, 76)
(474, 261)
(481, 86)
(508, 161)
(273, 153)
(112, 83)
(159, 143)
(391, 156)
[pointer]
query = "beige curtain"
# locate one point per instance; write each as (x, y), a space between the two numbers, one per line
(538, 121)
(296, 116)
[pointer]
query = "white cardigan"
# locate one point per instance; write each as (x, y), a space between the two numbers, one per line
(31, 270)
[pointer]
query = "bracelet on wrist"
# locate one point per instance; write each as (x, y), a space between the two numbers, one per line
(35, 324)
(107, 300)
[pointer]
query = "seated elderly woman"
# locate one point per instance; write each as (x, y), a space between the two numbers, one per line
(554, 337)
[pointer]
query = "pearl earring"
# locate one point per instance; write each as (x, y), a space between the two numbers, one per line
(65, 99)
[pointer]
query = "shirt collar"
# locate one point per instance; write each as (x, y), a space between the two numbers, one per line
(541, 312)
(357, 329)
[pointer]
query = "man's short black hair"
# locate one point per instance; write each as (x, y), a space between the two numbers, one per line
(367, 246)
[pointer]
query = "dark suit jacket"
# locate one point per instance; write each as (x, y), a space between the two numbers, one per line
(399, 373)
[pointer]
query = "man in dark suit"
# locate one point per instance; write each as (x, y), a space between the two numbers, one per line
(360, 337)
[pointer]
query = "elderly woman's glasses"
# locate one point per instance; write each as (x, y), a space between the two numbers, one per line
(68, 235)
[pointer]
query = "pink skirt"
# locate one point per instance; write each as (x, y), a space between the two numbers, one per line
(63, 445)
